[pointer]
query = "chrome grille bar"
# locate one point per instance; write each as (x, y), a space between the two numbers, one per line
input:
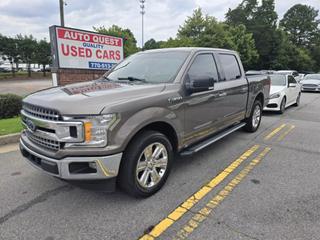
(47, 143)
(45, 127)
(61, 129)
(41, 112)
(310, 85)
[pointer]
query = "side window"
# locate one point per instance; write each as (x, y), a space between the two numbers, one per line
(295, 74)
(291, 79)
(204, 66)
(230, 66)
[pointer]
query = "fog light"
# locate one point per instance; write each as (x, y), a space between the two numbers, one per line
(92, 165)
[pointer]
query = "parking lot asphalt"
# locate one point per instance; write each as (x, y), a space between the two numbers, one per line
(24, 87)
(263, 185)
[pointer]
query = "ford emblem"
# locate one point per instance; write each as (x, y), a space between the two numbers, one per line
(30, 125)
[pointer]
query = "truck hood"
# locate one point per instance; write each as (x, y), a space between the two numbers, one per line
(276, 89)
(90, 97)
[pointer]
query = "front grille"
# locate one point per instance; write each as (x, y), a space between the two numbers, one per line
(309, 85)
(272, 105)
(47, 143)
(41, 112)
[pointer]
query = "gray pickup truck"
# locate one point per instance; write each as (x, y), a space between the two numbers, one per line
(125, 128)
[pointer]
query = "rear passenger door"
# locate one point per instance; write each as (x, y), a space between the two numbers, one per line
(233, 88)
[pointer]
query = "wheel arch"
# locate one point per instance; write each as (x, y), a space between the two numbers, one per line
(260, 97)
(159, 126)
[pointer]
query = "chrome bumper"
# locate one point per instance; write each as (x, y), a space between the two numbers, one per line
(105, 167)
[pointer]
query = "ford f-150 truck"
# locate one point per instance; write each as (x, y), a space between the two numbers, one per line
(126, 128)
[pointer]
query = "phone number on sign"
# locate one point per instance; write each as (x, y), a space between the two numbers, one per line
(101, 65)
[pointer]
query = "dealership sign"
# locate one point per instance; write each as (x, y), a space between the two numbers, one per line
(73, 48)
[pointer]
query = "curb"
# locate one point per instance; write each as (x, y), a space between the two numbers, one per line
(10, 138)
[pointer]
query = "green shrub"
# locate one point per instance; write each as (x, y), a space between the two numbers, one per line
(10, 105)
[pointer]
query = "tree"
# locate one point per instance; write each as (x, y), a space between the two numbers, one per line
(27, 46)
(212, 33)
(130, 43)
(215, 34)
(193, 26)
(42, 54)
(175, 42)
(151, 44)
(314, 49)
(292, 57)
(244, 13)
(301, 24)
(245, 45)
(261, 21)
(9, 49)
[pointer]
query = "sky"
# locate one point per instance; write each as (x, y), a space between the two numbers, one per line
(162, 18)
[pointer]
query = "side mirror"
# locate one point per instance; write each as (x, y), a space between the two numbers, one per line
(293, 85)
(196, 84)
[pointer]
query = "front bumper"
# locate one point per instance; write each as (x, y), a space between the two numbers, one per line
(74, 168)
(310, 89)
(273, 104)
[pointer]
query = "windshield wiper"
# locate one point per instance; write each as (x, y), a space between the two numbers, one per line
(105, 78)
(132, 79)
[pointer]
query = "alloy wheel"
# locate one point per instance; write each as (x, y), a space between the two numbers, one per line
(152, 165)
(256, 117)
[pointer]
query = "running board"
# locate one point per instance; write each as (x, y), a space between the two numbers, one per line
(208, 142)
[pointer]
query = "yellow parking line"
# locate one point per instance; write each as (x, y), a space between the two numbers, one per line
(164, 224)
(202, 214)
(283, 135)
(274, 132)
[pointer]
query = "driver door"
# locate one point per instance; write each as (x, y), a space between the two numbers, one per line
(201, 108)
(292, 91)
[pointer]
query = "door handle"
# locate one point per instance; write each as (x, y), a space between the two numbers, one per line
(244, 89)
(222, 94)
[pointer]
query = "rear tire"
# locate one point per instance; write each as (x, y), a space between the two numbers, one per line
(283, 105)
(146, 164)
(253, 122)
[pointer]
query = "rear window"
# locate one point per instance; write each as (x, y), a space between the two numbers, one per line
(230, 66)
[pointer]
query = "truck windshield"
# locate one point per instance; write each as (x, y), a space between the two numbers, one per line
(278, 80)
(149, 67)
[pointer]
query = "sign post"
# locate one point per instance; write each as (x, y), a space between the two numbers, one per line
(84, 52)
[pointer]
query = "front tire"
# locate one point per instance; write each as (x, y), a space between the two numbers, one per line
(146, 164)
(283, 105)
(253, 122)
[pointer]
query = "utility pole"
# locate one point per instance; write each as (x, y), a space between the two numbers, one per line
(61, 3)
(142, 2)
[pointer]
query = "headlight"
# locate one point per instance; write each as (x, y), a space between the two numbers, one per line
(95, 130)
(275, 95)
